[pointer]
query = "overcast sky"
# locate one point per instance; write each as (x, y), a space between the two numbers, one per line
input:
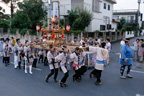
(121, 4)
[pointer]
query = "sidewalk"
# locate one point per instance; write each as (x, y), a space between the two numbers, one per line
(139, 65)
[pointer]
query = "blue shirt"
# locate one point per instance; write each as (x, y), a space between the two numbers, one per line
(126, 53)
(40, 52)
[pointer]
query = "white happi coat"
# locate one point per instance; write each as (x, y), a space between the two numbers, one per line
(6, 50)
(20, 50)
(64, 60)
(99, 56)
(74, 58)
(50, 56)
(28, 53)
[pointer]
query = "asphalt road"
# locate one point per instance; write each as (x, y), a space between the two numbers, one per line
(14, 82)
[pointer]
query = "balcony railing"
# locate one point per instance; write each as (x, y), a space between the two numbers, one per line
(125, 10)
(130, 21)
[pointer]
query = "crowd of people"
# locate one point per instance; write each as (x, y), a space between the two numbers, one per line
(27, 56)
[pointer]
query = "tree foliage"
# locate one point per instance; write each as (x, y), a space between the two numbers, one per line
(79, 18)
(4, 20)
(121, 24)
(6, 1)
(29, 15)
(72, 16)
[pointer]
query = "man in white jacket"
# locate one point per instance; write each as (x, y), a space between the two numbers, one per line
(101, 55)
(64, 59)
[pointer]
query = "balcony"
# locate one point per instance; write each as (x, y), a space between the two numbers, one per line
(130, 21)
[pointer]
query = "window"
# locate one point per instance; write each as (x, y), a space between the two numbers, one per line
(131, 19)
(117, 17)
(102, 27)
(77, 3)
(108, 7)
(108, 26)
(104, 5)
(96, 5)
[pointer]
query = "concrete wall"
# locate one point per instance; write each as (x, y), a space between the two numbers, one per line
(17, 35)
(129, 34)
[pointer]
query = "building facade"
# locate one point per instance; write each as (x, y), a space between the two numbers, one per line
(102, 11)
(131, 17)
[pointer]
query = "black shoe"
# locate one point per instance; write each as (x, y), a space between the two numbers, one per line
(19, 67)
(80, 78)
(90, 75)
(60, 83)
(73, 78)
(65, 85)
(77, 80)
(46, 79)
(98, 83)
(55, 80)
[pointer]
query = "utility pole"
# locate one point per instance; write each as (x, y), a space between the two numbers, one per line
(49, 10)
(138, 15)
(11, 9)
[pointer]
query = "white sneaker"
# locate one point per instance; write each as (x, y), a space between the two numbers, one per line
(122, 77)
(30, 72)
(25, 71)
(128, 76)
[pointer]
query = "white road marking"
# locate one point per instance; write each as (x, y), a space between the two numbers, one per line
(137, 71)
(37, 69)
(32, 68)
(139, 95)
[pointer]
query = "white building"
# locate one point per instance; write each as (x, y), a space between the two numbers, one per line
(130, 16)
(102, 12)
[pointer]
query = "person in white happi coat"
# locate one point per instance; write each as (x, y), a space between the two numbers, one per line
(16, 53)
(1, 47)
(78, 59)
(6, 52)
(101, 55)
(28, 58)
(20, 52)
(64, 59)
(52, 64)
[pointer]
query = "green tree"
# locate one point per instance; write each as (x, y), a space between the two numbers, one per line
(79, 18)
(6, 1)
(4, 20)
(72, 16)
(29, 15)
(121, 24)
(83, 20)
